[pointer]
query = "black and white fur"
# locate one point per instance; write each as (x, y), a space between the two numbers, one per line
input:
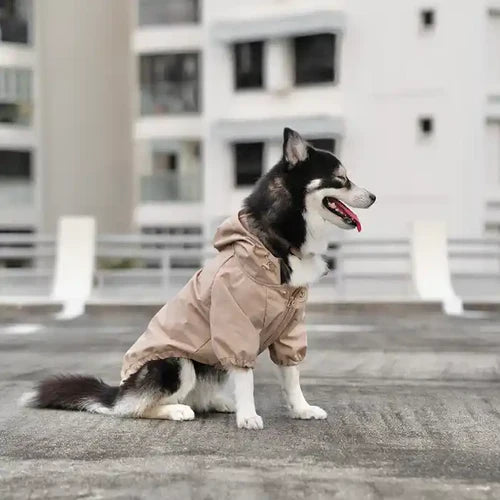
(287, 212)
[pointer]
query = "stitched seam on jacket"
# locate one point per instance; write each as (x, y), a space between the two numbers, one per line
(204, 344)
(259, 282)
(265, 310)
(215, 277)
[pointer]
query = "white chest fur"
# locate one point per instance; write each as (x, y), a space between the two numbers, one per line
(318, 233)
(306, 270)
(312, 266)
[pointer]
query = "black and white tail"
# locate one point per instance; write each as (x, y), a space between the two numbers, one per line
(72, 392)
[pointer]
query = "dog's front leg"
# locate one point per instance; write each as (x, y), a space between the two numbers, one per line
(295, 400)
(246, 416)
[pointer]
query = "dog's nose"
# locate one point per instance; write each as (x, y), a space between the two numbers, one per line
(372, 198)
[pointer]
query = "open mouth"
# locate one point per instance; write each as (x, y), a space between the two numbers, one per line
(340, 210)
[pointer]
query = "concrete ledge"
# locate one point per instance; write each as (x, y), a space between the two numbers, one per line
(303, 23)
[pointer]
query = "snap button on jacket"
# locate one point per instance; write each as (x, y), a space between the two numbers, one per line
(230, 311)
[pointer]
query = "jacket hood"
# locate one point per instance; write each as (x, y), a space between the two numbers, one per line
(258, 262)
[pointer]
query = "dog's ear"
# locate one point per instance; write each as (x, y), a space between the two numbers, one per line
(294, 147)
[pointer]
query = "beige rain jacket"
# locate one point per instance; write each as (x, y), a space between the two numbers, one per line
(229, 312)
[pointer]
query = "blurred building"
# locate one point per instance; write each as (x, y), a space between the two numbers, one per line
(406, 93)
(18, 132)
(65, 113)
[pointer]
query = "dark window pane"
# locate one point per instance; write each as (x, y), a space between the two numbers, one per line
(15, 20)
(15, 164)
(15, 96)
(426, 126)
(248, 65)
(154, 12)
(314, 59)
(169, 83)
(427, 18)
(326, 144)
(248, 159)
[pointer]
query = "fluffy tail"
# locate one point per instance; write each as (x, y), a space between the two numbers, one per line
(72, 392)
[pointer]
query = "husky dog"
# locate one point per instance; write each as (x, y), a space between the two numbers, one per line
(290, 214)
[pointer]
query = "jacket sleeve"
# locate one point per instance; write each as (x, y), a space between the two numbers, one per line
(235, 340)
(290, 349)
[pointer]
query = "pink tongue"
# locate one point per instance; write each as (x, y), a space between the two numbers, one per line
(342, 208)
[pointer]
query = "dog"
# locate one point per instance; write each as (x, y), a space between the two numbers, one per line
(248, 299)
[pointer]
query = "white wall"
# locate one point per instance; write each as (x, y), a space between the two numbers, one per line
(86, 133)
(391, 73)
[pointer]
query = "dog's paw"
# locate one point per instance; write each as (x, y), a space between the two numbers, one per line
(223, 405)
(249, 422)
(309, 412)
(180, 412)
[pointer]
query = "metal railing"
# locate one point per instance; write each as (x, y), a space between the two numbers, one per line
(170, 98)
(156, 266)
(171, 186)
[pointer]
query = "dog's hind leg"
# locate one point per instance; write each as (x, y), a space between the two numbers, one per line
(210, 392)
(158, 390)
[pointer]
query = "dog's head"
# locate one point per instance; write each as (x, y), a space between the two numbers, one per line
(328, 189)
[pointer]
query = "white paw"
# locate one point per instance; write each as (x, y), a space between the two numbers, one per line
(309, 412)
(181, 412)
(223, 405)
(249, 422)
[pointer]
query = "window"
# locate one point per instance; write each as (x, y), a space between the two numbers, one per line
(15, 164)
(169, 83)
(173, 173)
(493, 50)
(164, 162)
(326, 144)
(248, 65)
(15, 96)
(426, 125)
(314, 59)
(427, 19)
(16, 186)
(15, 21)
(154, 12)
(248, 161)
(493, 154)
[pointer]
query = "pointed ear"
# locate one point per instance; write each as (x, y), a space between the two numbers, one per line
(294, 147)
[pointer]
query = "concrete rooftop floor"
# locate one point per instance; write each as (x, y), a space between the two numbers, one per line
(413, 399)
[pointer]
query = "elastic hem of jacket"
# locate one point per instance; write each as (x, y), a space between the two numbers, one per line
(236, 362)
(137, 365)
(288, 361)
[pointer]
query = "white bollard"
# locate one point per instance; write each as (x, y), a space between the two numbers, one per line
(74, 267)
(431, 268)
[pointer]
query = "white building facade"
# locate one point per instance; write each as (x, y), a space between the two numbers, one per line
(19, 170)
(407, 94)
(65, 113)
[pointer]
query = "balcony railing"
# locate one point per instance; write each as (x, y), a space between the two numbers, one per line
(165, 97)
(16, 192)
(171, 186)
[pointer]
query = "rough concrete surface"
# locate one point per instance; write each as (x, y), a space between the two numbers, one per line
(413, 401)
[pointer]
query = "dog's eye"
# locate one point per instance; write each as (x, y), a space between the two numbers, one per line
(341, 178)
